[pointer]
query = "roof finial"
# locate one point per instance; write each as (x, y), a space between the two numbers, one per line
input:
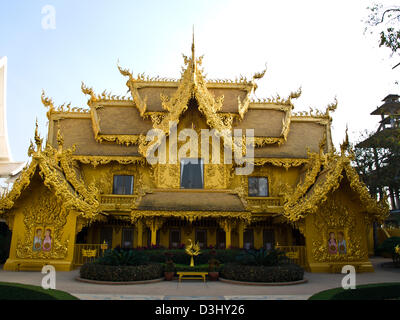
(346, 144)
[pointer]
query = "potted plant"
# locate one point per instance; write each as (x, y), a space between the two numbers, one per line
(169, 268)
(213, 267)
(396, 256)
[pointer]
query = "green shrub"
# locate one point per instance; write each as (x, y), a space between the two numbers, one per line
(262, 257)
(388, 246)
(376, 291)
(256, 273)
(123, 258)
(101, 272)
(5, 241)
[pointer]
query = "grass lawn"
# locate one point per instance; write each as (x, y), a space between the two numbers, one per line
(376, 291)
(17, 291)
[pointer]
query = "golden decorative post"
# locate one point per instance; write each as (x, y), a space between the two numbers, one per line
(104, 246)
(192, 250)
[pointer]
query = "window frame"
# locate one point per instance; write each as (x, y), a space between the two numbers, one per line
(124, 175)
(177, 230)
(271, 231)
(132, 240)
(251, 232)
(204, 231)
(258, 196)
(202, 168)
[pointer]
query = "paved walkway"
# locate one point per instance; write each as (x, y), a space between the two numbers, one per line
(172, 290)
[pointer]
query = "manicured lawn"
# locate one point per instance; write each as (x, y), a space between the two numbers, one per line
(376, 291)
(17, 291)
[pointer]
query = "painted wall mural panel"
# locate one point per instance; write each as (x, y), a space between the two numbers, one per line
(44, 221)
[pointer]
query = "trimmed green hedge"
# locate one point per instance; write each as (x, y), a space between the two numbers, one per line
(5, 241)
(282, 273)
(117, 257)
(17, 291)
(179, 256)
(388, 246)
(376, 291)
(96, 271)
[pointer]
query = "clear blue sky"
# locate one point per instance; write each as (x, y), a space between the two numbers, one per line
(317, 45)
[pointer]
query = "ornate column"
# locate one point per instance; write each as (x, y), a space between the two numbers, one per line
(139, 228)
(241, 232)
(226, 225)
(154, 224)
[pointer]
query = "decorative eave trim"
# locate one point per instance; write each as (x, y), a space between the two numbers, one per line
(262, 141)
(124, 139)
(89, 193)
(315, 163)
(101, 160)
(299, 205)
(190, 215)
(281, 162)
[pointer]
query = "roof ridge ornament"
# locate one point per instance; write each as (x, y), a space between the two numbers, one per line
(332, 106)
(193, 52)
(48, 103)
(89, 91)
(243, 106)
(141, 104)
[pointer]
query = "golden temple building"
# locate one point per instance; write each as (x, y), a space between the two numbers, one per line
(91, 182)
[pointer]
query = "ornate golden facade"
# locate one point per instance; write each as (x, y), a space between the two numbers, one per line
(66, 192)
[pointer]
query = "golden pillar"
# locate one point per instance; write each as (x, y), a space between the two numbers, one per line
(153, 236)
(154, 224)
(226, 225)
(241, 232)
(117, 236)
(139, 227)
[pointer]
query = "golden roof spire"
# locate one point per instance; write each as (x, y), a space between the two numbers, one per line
(193, 47)
(193, 57)
(346, 144)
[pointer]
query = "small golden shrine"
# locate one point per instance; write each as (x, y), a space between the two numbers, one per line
(92, 183)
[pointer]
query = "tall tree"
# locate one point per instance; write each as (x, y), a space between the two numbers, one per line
(385, 22)
(377, 159)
